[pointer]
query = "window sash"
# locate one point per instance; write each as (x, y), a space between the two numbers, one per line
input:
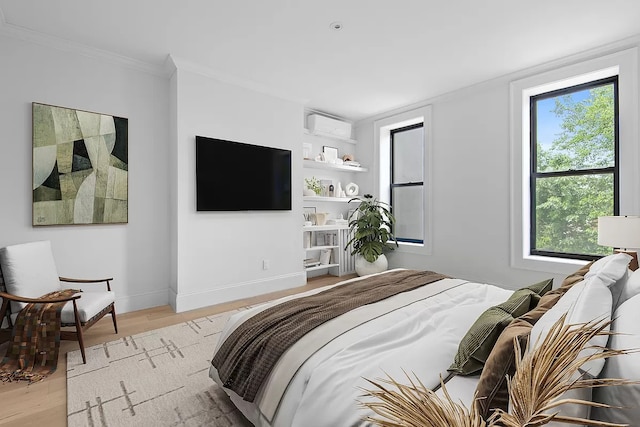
(394, 184)
(535, 175)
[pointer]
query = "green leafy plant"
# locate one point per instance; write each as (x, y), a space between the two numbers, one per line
(313, 183)
(370, 228)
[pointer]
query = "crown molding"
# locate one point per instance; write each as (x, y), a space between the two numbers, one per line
(630, 42)
(36, 37)
(175, 63)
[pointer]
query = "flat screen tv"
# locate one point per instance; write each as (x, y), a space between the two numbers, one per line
(234, 176)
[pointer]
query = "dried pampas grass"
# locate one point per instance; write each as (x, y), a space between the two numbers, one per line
(535, 391)
(415, 405)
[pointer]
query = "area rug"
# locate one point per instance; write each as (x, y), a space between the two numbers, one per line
(156, 378)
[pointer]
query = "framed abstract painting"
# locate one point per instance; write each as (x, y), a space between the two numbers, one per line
(80, 167)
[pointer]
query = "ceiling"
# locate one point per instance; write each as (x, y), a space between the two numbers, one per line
(388, 54)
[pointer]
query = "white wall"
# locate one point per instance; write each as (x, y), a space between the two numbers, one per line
(219, 255)
(135, 254)
(470, 182)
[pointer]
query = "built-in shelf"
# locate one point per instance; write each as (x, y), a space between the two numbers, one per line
(308, 163)
(329, 136)
(328, 199)
(319, 248)
(324, 227)
(321, 266)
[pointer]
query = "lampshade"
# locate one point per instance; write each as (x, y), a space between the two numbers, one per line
(619, 231)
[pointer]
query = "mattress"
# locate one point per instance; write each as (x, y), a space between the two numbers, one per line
(418, 334)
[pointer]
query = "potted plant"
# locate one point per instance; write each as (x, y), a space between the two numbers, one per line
(313, 186)
(370, 232)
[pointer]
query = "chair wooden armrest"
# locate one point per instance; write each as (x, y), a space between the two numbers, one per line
(16, 298)
(76, 315)
(5, 334)
(70, 280)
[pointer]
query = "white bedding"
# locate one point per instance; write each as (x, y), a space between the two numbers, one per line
(419, 338)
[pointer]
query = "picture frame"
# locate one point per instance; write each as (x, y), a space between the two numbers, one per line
(80, 167)
(330, 153)
(307, 151)
(308, 212)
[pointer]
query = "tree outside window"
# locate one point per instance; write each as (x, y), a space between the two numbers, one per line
(574, 168)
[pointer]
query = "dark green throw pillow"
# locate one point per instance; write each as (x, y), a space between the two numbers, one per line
(476, 345)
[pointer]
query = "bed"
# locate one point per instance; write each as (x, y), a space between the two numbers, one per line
(318, 381)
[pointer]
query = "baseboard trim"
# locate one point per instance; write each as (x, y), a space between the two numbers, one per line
(127, 303)
(234, 292)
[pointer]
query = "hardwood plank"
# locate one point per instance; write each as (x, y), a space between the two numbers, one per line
(45, 403)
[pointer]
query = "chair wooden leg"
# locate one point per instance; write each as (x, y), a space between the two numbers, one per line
(79, 331)
(113, 317)
(4, 313)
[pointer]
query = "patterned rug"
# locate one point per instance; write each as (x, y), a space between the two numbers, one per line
(156, 378)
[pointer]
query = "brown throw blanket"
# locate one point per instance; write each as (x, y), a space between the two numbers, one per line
(35, 342)
(247, 356)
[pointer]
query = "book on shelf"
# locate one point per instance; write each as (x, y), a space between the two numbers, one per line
(311, 262)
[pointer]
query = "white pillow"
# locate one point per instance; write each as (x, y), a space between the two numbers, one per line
(612, 271)
(629, 289)
(583, 302)
(627, 366)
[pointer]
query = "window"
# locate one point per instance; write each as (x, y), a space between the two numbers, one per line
(407, 180)
(553, 184)
(574, 167)
(403, 158)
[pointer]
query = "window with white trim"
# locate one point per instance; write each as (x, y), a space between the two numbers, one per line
(546, 234)
(574, 168)
(404, 156)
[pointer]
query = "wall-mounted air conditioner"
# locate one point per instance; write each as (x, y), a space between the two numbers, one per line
(323, 124)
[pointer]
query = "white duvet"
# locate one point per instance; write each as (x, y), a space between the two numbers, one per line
(420, 338)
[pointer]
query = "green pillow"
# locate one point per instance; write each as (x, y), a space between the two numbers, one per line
(476, 345)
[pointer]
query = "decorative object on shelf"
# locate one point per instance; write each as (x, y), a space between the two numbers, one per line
(307, 149)
(339, 192)
(320, 158)
(320, 218)
(351, 189)
(370, 227)
(347, 158)
(80, 167)
(326, 186)
(314, 185)
(331, 190)
(307, 213)
(330, 154)
(621, 233)
(306, 239)
(325, 256)
(341, 221)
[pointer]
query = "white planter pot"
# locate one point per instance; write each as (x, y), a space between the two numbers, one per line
(364, 267)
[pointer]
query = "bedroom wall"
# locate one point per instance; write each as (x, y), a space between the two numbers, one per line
(135, 254)
(470, 181)
(219, 255)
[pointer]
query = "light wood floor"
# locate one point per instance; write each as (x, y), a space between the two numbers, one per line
(45, 403)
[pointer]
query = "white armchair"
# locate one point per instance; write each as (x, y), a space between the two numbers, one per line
(29, 271)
